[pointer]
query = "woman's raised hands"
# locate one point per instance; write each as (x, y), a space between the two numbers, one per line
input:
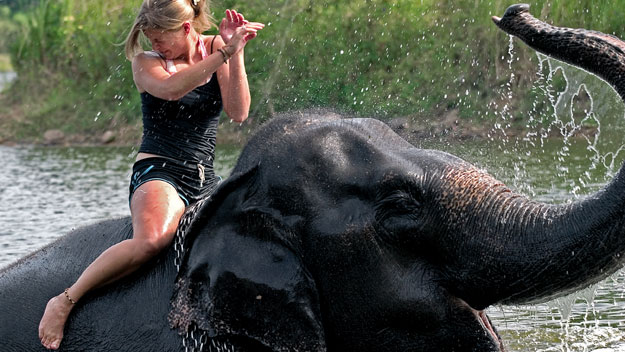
(236, 30)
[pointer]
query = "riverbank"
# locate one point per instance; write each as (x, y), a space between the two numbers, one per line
(14, 123)
(16, 128)
(125, 135)
(446, 126)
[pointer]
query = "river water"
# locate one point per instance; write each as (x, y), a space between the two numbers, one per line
(47, 191)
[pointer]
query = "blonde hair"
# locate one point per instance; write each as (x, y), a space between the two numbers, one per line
(167, 15)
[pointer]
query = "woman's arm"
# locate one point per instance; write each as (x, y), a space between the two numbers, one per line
(150, 75)
(235, 91)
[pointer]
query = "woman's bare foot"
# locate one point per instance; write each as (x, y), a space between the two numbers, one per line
(53, 321)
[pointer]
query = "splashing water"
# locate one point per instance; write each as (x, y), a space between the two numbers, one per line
(569, 107)
(565, 109)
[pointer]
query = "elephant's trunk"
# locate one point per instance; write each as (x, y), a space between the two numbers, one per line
(522, 251)
(596, 52)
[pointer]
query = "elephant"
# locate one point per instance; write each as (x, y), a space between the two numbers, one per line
(336, 234)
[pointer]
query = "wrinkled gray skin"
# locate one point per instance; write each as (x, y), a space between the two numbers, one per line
(336, 234)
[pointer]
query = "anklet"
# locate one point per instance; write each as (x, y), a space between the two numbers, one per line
(68, 297)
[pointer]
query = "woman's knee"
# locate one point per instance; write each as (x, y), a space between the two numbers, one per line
(153, 245)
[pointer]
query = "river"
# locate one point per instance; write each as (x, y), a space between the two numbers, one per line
(47, 191)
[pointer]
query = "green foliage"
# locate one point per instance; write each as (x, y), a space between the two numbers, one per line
(366, 57)
(68, 56)
(401, 57)
(19, 5)
(8, 28)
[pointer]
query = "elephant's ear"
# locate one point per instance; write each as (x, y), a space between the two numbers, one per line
(244, 280)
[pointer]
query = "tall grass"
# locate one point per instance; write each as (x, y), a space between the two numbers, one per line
(8, 29)
(369, 57)
(401, 57)
(72, 73)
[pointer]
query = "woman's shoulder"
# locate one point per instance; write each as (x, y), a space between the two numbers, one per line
(148, 58)
(147, 55)
(151, 53)
(212, 41)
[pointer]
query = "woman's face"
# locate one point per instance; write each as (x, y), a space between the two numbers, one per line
(170, 44)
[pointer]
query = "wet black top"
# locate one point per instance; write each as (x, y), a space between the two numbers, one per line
(183, 129)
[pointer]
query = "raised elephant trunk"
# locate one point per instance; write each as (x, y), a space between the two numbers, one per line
(524, 245)
(596, 52)
(523, 251)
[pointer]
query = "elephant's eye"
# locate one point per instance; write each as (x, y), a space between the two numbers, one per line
(398, 198)
(403, 200)
(397, 213)
(397, 203)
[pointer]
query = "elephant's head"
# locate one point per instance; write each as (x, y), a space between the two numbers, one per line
(337, 234)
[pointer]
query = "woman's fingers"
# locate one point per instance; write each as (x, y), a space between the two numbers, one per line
(243, 31)
(242, 36)
(229, 15)
(234, 27)
(255, 25)
(250, 36)
(234, 17)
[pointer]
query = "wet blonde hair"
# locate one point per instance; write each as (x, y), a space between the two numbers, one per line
(167, 15)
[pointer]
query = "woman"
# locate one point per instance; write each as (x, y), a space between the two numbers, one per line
(184, 83)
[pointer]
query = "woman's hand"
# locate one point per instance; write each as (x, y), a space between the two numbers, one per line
(236, 31)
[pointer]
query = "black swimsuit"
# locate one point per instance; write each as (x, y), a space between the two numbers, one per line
(183, 132)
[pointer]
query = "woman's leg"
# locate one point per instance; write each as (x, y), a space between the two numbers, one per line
(156, 210)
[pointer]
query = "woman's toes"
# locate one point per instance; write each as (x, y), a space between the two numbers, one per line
(55, 345)
(53, 322)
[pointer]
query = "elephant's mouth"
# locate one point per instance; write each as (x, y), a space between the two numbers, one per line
(488, 327)
(186, 308)
(485, 323)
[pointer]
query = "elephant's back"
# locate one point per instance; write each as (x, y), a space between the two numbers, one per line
(117, 315)
(67, 255)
